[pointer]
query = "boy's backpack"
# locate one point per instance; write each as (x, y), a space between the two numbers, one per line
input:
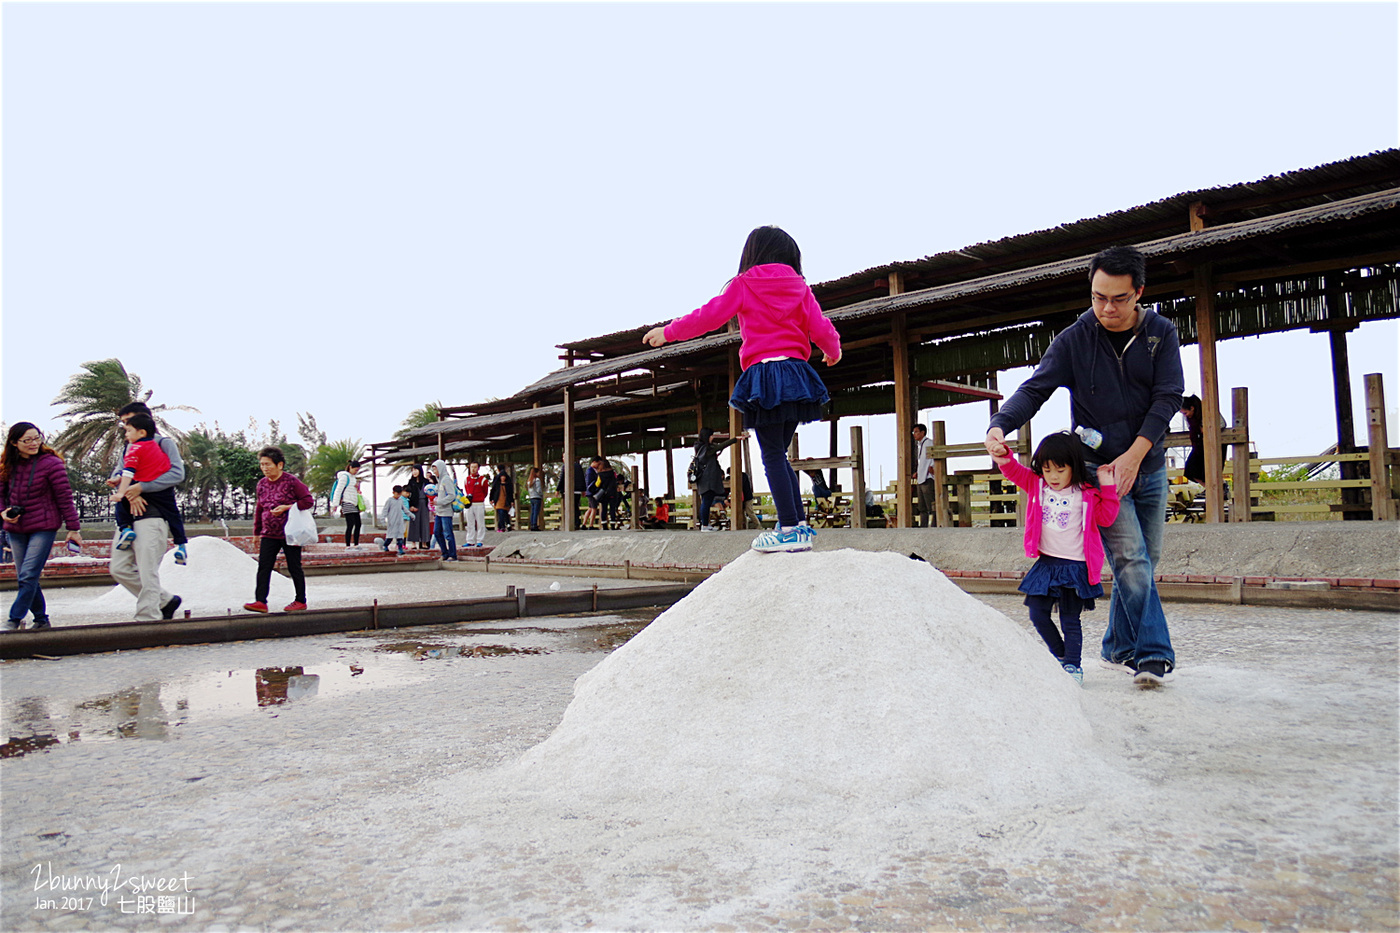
(692, 472)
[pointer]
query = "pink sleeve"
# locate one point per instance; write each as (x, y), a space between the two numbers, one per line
(709, 316)
(1018, 473)
(819, 326)
(1108, 506)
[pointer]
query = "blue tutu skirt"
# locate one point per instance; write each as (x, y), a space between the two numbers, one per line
(779, 392)
(1049, 575)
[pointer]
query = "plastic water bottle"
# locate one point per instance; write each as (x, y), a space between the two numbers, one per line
(1091, 438)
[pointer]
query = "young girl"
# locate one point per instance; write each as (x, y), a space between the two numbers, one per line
(779, 320)
(1062, 530)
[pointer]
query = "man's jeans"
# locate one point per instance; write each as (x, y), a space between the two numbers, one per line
(446, 537)
(31, 551)
(138, 568)
(1137, 628)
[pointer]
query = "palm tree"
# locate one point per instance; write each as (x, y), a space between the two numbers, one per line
(328, 460)
(419, 417)
(92, 398)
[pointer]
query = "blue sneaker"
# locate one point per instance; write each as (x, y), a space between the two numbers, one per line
(809, 533)
(126, 539)
(181, 557)
(776, 540)
(1074, 671)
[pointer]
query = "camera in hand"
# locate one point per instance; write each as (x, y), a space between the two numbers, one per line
(14, 511)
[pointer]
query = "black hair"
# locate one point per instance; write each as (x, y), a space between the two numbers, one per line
(352, 465)
(142, 421)
(1193, 402)
(272, 453)
(920, 427)
(1062, 449)
(1121, 260)
(770, 244)
(134, 408)
(398, 489)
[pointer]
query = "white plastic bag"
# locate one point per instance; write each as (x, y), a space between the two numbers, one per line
(301, 527)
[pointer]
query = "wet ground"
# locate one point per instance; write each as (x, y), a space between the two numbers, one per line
(349, 782)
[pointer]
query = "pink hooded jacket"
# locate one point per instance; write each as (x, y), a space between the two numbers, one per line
(778, 316)
(1100, 509)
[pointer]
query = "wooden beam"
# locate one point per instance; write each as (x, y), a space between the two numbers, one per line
(858, 478)
(961, 389)
(1239, 456)
(566, 508)
(904, 417)
(1196, 216)
(1210, 395)
(1382, 502)
(943, 516)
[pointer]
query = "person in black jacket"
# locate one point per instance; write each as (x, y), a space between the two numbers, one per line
(1122, 365)
(579, 491)
(710, 481)
(502, 497)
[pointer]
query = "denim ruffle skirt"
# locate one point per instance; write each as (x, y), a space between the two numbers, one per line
(778, 392)
(1049, 575)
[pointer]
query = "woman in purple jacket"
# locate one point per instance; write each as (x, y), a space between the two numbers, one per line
(278, 491)
(35, 500)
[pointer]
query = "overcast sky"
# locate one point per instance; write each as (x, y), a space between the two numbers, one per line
(355, 209)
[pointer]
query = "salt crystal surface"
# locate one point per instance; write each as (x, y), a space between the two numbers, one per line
(217, 578)
(820, 678)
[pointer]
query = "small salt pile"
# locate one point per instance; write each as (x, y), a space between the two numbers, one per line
(218, 577)
(840, 678)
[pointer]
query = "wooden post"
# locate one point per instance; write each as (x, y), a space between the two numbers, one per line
(601, 436)
(1382, 504)
(442, 448)
(537, 432)
(695, 490)
(942, 514)
(903, 417)
(566, 508)
(670, 472)
(646, 471)
(1239, 456)
(1341, 393)
(857, 478)
(636, 498)
(831, 474)
(1210, 394)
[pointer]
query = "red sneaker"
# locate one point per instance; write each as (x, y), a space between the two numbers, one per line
(255, 607)
(294, 606)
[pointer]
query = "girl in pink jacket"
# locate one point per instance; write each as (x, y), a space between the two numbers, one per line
(779, 320)
(1063, 519)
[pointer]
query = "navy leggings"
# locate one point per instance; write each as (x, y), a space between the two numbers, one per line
(773, 441)
(1067, 650)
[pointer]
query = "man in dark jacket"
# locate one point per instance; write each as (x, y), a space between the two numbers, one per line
(1122, 365)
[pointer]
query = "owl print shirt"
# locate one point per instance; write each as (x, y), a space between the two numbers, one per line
(1062, 522)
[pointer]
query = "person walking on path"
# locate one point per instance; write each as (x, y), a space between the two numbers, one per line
(1122, 365)
(345, 496)
(447, 493)
(923, 476)
(779, 320)
(420, 525)
(1063, 516)
(137, 567)
(502, 497)
(36, 499)
(709, 475)
(534, 491)
(277, 492)
(479, 488)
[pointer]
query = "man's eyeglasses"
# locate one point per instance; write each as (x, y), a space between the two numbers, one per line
(1119, 301)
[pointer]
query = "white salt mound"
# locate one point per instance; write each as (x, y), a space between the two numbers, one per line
(809, 679)
(218, 577)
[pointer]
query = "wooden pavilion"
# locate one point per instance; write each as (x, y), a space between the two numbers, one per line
(1316, 248)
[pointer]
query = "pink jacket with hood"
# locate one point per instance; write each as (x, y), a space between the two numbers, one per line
(778, 316)
(1100, 509)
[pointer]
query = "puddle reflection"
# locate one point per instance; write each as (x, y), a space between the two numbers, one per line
(384, 658)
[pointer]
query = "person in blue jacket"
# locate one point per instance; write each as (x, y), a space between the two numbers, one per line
(1122, 365)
